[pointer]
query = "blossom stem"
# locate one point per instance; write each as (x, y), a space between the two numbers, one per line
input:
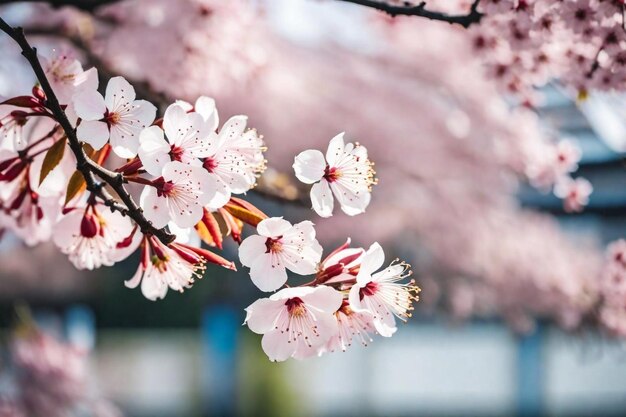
(140, 180)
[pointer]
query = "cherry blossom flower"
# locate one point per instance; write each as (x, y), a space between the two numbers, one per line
(205, 107)
(351, 325)
(233, 158)
(549, 163)
(346, 171)
(188, 139)
(280, 246)
(236, 160)
(179, 195)
(174, 266)
(295, 322)
(16, 127)
(90, 235)
(66, 76)
(575, 193)
(380, 293)
(568, 155)
(117, 117)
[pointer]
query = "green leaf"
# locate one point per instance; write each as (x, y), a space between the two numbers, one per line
(52, 158)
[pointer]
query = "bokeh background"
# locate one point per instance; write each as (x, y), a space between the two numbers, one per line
(507, 323)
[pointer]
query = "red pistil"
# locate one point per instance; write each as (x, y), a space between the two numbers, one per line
(273, 244)
(111, 118)
(332, 174)
(176, 153)
(163, 187)
(370, 289)
(294, 305)
(210, 164)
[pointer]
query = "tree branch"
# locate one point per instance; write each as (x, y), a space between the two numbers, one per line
(466, 20)
(83, 163)
(85, 5)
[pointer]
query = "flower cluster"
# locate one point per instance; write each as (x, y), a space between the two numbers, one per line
(550, 167)
(349, 299)
(188, 171)
(529, 43)
(46, 376)
(613, 289)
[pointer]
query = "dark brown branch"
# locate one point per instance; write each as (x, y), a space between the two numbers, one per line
(465, 20)
(84, 164)
(86, 5)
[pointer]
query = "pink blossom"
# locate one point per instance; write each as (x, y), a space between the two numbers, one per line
(117, 117)
(351, 326)
(175, 266)
(346, 173)
(380, 293)
(179, 195)
(67, 77)
(575, 193)
(89, 235)
(295, 322)
(279, 246)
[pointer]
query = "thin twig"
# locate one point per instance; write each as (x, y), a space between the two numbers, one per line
(84, 164)
(465, 20)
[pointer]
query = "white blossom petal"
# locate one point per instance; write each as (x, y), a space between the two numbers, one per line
(152, 287)
(324, 298)
(95, 133)
(135, 280)
(174, 120)
(268, 273)
(205, 106)
(322, 199)
(251, 248)
(153, 150)
(89, 105)
(222, 194)
(233, 128)
(372, 261)
(352, 201)
(277, 346)
(335, 149)
(261, 314)
(154, 207)
(273, 227)
(118, 93)
(309, 166)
